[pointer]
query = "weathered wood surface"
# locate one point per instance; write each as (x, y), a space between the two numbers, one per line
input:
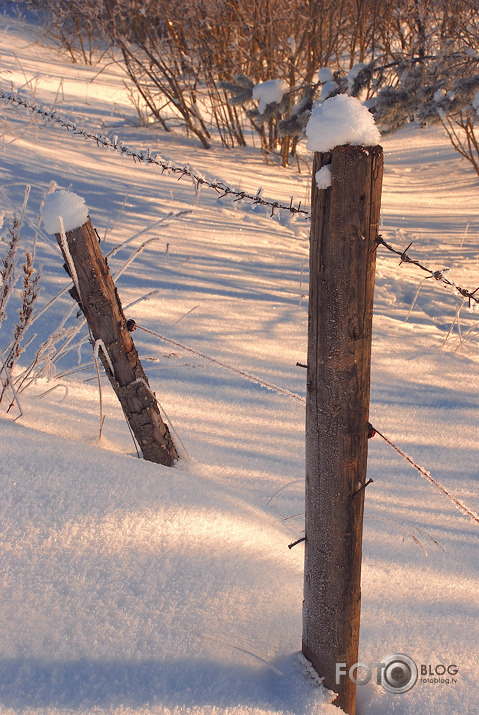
(99, 301)
(345, 223)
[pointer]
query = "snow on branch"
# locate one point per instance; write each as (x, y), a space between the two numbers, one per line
(269, 92)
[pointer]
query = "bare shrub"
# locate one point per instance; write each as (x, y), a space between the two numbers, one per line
(76, 25)
(198, 63)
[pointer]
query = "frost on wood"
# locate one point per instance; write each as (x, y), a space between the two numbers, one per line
(341, 120)
(269, 92)
(96, 348)
(67, 205)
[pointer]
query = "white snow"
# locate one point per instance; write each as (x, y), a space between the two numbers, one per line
(67, 254)
(269, 92)
(131, 589)
(67, 205)
(325, 74)
(341, 120)
(327, 90)
(353, 73)
(323, 177)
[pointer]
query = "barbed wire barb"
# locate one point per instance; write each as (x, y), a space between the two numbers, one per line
(149, 159)
(437, 275)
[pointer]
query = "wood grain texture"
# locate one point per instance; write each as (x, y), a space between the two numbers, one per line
(345, 222)
(99, 301)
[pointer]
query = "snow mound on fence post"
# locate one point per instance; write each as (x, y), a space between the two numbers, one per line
(341, 120)
(67, 205)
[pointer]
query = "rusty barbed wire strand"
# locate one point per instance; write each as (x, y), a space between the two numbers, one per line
(152, 158)
(223, 189)
(437, 275)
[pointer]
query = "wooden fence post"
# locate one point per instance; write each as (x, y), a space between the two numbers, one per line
(99, 301)
(345, 223)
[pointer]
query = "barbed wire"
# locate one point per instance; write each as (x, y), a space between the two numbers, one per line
(437, 275)
(457, 502)
(372, 431)
(132, 325)
(223, 189)
(152, 158)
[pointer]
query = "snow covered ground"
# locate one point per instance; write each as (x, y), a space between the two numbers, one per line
(131, 588)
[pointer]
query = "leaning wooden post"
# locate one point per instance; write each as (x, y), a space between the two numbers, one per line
(345, 222)
(97, 296)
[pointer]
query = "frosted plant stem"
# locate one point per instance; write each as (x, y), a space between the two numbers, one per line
(50, 303)
(69, 259)
(465, 234)
(133, 256)
(111, 227)
(65, 347)
(182, 317)
(415, 298)
(143, 297)
(96, 348)
(173, 429)
(456, 319)
(100, 396)
(466, 336)
(9, 382)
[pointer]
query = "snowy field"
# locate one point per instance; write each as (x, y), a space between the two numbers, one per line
(126, 587)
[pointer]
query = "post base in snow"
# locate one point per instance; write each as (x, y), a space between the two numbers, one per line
(99, 301)
(345, 692)
(344, 226)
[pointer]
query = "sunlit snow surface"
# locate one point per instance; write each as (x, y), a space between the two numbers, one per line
(128, 587)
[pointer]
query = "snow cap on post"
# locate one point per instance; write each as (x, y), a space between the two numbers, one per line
(341, 120)
(68, 206)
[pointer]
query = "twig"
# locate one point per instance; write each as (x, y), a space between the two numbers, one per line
(363, 486)
(100, 394)
(298, 541)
